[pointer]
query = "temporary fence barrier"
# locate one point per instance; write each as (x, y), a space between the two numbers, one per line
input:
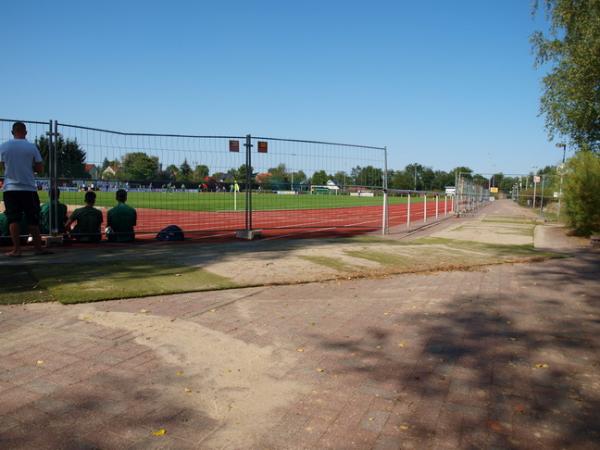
(211, 184)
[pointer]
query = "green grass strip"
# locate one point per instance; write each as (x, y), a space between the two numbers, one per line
(75, 283)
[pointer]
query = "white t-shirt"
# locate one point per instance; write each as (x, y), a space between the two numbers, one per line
(18, 156)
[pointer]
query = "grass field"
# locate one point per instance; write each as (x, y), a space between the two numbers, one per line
(224, 201)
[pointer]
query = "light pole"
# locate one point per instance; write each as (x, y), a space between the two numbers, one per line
(534, 187)
(415, 176)
(562, 171)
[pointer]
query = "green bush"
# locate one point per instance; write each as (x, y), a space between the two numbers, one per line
(582, 193)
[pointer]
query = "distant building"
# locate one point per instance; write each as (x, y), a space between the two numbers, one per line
(109, 173)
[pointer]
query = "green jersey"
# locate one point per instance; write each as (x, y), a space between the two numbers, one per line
(88, 221)
(121, 219)
(45, 218)
(5, 231)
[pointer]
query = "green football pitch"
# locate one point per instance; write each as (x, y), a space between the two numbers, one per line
(224, 201)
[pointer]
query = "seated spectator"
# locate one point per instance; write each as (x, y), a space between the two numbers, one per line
(120, 220)
(5, 231)
(88, 221)
(45, 214)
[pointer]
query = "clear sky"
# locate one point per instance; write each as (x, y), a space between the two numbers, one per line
(439, 82)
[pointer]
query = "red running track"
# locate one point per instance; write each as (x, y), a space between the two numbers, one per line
(285, 223)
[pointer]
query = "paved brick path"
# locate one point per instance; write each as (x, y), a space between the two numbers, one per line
(505, 357)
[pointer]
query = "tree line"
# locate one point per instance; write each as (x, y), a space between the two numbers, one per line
(143, 168)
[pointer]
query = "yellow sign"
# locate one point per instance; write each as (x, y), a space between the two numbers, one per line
(494, 190)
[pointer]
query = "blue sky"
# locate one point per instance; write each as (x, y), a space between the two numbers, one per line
(441, 83)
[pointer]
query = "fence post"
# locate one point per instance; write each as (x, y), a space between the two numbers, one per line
(384, 224)
(248, 146)
(542, 201)
(51, 181)
(445, 205)
(408, 213)
(56, 174)
(437, 201)
(425, 209)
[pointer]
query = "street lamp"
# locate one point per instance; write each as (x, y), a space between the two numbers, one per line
(534, 186)
(562, 171)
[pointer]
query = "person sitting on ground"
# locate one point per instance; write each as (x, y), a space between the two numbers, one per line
(45, 213)
(5, 238)
(88, 221)
(120, 220)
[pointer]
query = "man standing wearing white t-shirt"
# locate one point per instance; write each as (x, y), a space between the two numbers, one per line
(21, 159)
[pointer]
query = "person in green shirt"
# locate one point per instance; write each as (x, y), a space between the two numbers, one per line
(88, 221)
(120, 220)
(45, 214)
(5, 231)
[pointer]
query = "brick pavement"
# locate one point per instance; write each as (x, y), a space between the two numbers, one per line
(503, 357)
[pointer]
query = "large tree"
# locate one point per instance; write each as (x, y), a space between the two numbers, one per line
(138, 166)
(70, 157)
(571, 98)
(320, 178)
(367, 176)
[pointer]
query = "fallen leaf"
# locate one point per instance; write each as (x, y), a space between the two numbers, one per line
(386, 313)
(188, 390)
(213, 310)
(520, 409)
(541, 366)
(40, 362)
(379, 347)
(300, 349)
(371, 419)
(320, 370)
(495, 426)
(404, 427)
(179, 373)
(177, 274)
(402, 344)
(159, 432)
(144, 311)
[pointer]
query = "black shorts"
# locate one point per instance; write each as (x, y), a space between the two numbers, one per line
(19, 203)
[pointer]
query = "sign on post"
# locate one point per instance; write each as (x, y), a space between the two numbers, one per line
(536, 179)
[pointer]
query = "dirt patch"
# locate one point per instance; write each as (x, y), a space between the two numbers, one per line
(242, 384)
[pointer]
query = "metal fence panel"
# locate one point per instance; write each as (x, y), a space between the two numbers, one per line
(189, 181)
(315, 185)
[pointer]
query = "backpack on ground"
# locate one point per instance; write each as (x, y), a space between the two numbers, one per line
(170, 233)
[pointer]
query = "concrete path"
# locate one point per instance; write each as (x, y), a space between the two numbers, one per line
(502, 357)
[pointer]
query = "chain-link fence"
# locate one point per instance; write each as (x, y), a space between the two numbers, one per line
(211, 184)
(208, 185)
(470, 195)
